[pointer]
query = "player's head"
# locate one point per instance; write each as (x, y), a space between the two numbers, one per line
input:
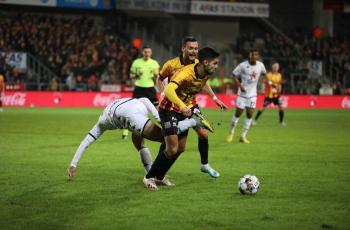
(209, 58)
(275, 67)
(253, 56)
(189, 48)
(146, 52)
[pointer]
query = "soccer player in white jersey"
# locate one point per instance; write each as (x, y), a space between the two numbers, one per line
(132, 114)
(246, 76)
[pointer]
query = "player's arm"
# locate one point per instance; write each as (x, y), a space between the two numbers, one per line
(211, 93)
(150, 107)
(170, 93)
(235, 74)
(163, 74)
(237, 83)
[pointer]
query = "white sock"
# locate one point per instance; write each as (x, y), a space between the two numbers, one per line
(146, 158)
(246, 126)
(81, 149)
(186, 124)
(233, 124)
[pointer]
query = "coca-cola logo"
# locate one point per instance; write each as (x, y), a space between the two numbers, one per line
(345, 103)
(16, 99)
(101, 100)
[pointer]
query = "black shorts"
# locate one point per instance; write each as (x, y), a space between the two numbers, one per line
(149, 93)
(169, 121)
(274, 100)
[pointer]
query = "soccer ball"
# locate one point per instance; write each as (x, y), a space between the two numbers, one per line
(248, 184)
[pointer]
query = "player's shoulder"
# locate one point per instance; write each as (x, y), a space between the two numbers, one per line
(260, 63)
(186, 71)
(173, 61)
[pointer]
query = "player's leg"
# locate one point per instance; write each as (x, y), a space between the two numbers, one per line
(280, 111)
(260, 111)
(166, 156)
(235, 118)
(203, 147)
(246, 126)
(145, 153)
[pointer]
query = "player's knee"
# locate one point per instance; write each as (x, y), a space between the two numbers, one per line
(171, 150)
(202, 133)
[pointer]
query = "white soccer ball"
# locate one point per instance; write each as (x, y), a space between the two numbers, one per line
(248, 184)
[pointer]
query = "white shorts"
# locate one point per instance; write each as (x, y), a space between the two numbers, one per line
(246, 102)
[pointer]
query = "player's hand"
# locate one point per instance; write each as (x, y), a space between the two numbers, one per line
(187, 112)
(220, 104)
(242, 89)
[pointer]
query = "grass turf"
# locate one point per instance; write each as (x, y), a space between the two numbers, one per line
(303, 169)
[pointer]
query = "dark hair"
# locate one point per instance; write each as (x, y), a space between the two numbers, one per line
(188, 39)
(146, 47)
(252, 50)
(207, 53)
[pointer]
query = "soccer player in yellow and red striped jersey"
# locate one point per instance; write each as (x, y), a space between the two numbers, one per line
(273, 89)
(177, 105)
(188, 56)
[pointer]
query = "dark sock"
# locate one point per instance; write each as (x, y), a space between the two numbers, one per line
(258, 115)
(165, 166)
(0, 103)
(157, 162)
(203, 147)
(281, 114)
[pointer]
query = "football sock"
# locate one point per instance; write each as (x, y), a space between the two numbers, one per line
(203, 147)
(186, 124)
(246, 126)
(154, 170)
(165, 165)
(81, 149)
(281, 115)
(146, 158)
(258, 115)
(234, 124)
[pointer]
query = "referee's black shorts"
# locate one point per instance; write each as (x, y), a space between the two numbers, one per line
(149, 92)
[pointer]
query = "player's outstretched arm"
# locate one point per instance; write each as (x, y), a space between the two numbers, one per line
(211, 93)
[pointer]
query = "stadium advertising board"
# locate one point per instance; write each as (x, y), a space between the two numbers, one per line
(230, 9)
(101, 99)
(86, 4)
(50, 3)
(197, 7)
(170, 6)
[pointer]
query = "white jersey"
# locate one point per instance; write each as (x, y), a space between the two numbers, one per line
(249, 75)
(128, 113)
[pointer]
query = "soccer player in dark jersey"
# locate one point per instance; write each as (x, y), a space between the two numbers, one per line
(179, 103)
(188, 55)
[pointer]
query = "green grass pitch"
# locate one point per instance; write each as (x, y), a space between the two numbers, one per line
(304, 170)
